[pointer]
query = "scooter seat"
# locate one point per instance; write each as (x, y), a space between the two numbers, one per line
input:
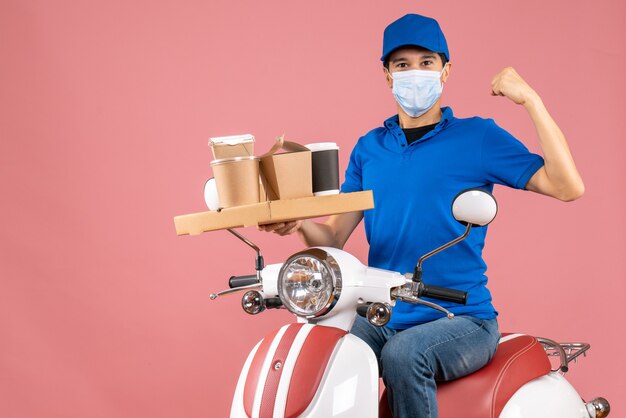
(484, 393)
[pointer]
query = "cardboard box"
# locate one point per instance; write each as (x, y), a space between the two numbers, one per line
(232, 146)
(273, 211)
(286, 175)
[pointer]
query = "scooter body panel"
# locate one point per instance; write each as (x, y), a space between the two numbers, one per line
(237, 409)
(345, 385)
(549, 396)
(349, 387)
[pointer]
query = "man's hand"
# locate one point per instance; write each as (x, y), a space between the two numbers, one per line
(509, 83)
(332, 233)
(282, 228)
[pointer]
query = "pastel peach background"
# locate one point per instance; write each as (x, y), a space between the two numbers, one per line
(105, 112)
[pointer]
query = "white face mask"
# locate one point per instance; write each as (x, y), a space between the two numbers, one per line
(416, 91)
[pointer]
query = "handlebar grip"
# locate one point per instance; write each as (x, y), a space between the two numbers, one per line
(444, 293)
(239, 281)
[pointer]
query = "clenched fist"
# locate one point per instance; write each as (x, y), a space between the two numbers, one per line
(509, 83)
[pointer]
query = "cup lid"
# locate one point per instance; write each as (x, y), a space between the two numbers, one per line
(231, 140)
(322, 146)
(233, 159)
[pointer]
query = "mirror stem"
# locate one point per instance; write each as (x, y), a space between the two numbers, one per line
(260, 264)
(417, 274)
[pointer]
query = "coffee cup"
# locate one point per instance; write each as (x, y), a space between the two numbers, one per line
(325, 168)
(237, 180)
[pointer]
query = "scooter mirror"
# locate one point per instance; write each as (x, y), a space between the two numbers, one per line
(474, 206)
(210, 194)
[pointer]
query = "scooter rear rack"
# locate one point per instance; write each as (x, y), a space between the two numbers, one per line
(567, 352)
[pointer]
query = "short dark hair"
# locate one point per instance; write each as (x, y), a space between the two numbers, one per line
(444, 60)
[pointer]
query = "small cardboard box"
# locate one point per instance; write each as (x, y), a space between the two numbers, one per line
(286, 175)
(232, 146)
(273, 211)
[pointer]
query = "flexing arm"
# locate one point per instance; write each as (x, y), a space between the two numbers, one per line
(332, 233)
(559, 177)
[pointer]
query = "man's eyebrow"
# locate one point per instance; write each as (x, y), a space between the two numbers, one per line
(425, 56)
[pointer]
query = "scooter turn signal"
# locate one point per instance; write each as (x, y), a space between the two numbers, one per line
(378, 314)
(252, 302)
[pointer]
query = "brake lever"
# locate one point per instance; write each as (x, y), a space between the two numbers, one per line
(418, 301)
(214, 296)
(408, 293)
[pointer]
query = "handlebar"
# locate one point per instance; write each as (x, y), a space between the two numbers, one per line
(444, 293)
(240, 281)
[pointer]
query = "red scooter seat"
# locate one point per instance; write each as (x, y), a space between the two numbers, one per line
(483, 394)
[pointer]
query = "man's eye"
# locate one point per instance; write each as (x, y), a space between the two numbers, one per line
(402, 65)
(427, 63)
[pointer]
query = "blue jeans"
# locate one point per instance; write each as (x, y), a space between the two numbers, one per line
(411, 361)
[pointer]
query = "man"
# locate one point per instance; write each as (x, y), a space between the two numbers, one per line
(415, 164)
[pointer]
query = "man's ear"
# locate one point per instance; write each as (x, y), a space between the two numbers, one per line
(446, 72)
(388, 77)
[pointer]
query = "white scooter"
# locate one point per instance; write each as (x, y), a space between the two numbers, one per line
(316, 368)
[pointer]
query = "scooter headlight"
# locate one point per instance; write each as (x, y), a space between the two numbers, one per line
(309, 283)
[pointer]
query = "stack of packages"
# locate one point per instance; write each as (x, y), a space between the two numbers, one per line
(298, 171)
